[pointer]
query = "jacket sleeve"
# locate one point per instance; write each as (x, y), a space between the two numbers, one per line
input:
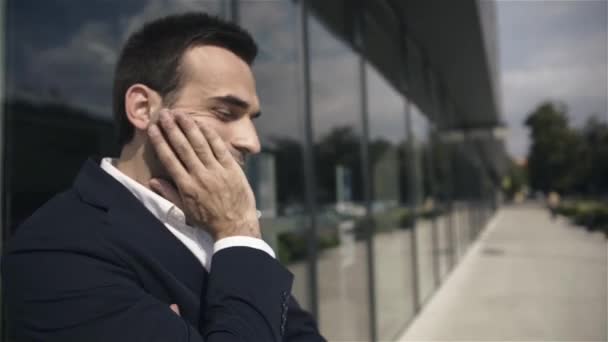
(62, 295)
(301, 326)
(247, 296)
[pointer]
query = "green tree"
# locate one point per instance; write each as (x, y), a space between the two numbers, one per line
(558, 157)
(595, 133)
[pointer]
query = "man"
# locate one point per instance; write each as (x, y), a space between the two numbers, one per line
(163, 243)
(553, 203)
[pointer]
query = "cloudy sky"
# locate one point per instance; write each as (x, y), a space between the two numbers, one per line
(552, 49)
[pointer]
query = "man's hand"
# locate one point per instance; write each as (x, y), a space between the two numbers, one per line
(175, 309)
(211, 187)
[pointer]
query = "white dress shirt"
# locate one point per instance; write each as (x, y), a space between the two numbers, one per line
(197, 240)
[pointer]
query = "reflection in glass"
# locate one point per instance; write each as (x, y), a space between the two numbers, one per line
(394, 278)
(342, 262)
(441, 176)
(277, 175)
(60, 60)
(424, 202)
(463, 180)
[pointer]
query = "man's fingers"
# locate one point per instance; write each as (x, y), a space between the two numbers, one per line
(179, 142)
(218, 146)
(166, 155)
(196, 138)
(175, 309)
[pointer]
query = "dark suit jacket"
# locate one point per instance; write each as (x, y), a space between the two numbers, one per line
(93, 264)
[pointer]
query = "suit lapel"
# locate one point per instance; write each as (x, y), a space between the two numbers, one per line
(137, 226)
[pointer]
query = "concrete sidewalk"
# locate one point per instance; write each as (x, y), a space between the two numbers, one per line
(528, 278)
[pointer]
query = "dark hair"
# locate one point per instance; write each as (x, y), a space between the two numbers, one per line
(152, 56)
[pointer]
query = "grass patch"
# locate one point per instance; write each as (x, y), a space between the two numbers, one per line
(593, 215)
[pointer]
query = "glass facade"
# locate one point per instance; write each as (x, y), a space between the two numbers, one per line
(344, 312)
(333, 128)
(58, 90)
(423, 202)
(393, 226)
(277, 174)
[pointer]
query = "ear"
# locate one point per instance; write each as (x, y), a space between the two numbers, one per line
(141, 104)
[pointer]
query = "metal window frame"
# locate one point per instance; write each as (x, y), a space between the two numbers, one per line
(3, 205)
(2, 126)
(308, 159)
(359, 33)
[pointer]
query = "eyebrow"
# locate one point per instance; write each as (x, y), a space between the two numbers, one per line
(238, 102)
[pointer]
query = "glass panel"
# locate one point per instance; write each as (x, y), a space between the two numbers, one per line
(394, 276)
(463, 177)
(277, 174)
(463, 226)
(342, 263)
(60, 61)
(60, 57)
(459, 229)
(451, 204)
(443, 245)
(441, 179)
(425, 203)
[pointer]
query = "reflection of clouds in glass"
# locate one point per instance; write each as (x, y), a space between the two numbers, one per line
(159, 8)
(276, 69)
(273, 25)
(420, 125)
(93, 42)
(386, 109)
(280, 98)
(78, 69)
(334, 80)
(387, 130)
(333, 73)
(325, 43)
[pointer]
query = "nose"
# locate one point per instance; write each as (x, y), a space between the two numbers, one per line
(246, 138)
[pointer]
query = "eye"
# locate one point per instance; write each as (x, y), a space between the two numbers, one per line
(224, 114)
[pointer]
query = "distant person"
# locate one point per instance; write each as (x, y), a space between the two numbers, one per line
(162, 243)
(553, 201)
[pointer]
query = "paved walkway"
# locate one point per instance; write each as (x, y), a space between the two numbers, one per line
(528, 278)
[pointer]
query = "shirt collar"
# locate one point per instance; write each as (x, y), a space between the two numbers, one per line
(161, 208)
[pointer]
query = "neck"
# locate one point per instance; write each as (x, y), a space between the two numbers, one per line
(132, 162)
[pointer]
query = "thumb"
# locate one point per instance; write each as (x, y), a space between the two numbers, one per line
(166, 190)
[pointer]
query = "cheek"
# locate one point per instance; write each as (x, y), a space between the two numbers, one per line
(223, 129)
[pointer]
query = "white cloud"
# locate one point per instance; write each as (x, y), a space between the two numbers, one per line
(154, 9)
(91, 51)
(582, 87)
(552, 51)
(80, 70)
(92, 44)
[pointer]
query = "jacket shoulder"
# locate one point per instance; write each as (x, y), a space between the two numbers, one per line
(62, 221)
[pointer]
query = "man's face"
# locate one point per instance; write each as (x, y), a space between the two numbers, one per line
(218, 89)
